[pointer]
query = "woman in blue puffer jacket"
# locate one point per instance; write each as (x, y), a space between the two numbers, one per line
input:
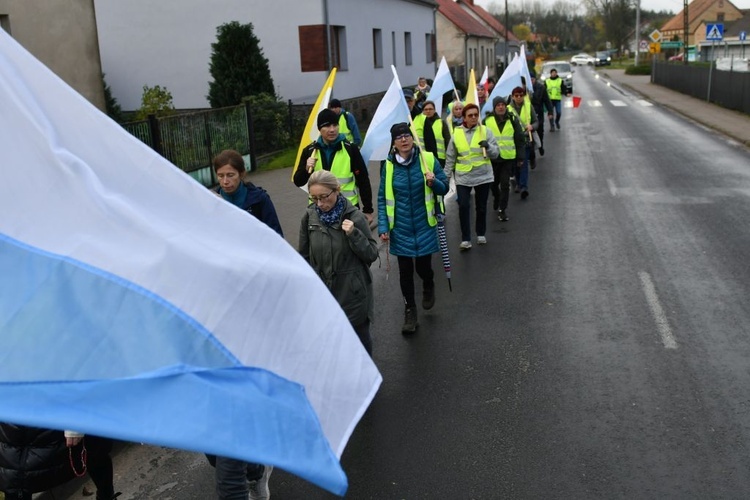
(407, 208)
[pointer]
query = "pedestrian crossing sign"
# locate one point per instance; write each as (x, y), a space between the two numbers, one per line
(714, 32)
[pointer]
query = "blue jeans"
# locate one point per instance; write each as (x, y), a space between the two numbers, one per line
(481, 193)
(558, 110)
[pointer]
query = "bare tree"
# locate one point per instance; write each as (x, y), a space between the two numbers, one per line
(616, 18)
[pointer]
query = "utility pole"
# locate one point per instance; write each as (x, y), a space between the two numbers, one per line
(506, 35)
(685, 34)
(637, 30)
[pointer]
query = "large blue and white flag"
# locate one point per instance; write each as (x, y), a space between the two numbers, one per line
(442, 83)
(392, 109)
(525, 70)
(136, 304)
(510, 79)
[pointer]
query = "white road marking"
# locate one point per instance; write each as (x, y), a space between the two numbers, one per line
(612, 187)
(644, 103)
(618, 104)
(595, 104)
(568, 104)
(662, 324)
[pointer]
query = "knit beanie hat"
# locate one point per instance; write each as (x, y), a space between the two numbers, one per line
(497, 100)
(326, 118)
(400, 129)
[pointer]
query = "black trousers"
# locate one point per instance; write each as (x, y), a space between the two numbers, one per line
(406, 266)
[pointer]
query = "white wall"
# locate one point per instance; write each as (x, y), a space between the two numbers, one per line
(168, 43)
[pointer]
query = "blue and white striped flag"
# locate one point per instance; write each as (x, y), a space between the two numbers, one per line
(510, 79)
(442, 83)
(136, 304)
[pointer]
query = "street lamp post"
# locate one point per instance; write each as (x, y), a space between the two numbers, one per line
(637, 30)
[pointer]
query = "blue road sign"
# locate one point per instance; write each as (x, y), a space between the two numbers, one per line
(743, 35)
(715, 32)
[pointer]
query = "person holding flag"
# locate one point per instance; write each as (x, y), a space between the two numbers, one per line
(347, 123)
(521, 106)
(332, 152)
(468, 154)
(407, 216)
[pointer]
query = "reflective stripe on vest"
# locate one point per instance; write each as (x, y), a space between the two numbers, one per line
(468, 157)
(525, 116)
(554, 88)
(390, 200)
(344, 127)
(504, 139)
(341, 167)
(437, 131)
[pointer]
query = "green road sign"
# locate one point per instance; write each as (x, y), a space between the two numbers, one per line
(671, 45)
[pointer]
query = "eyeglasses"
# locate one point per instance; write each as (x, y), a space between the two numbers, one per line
(403, 137)
(472, 115)
(323, 197)
(518, 95)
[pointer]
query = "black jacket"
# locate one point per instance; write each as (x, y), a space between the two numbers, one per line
(32, 460)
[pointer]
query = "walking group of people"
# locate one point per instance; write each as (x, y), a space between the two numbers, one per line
(482, 155)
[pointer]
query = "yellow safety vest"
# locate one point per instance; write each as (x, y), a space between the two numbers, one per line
(429, 196)
(525, 115)
(341, 167)
(437, 131)
(554, 88)
(504, 139)
(469, 156)
(344, 127)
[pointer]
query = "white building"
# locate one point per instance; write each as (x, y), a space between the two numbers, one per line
(168, 43)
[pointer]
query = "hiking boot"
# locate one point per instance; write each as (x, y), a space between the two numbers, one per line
(502, 216)
(410, 320)
(481, 240)
(465, 245)
(428, 297)
(259, 488)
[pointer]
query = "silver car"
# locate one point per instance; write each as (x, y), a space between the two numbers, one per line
(564, 71)
(583, 60)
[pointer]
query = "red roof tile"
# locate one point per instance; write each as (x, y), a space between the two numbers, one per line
(492, 21)
(463, 20)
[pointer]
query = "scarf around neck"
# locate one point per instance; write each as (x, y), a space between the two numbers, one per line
(333, 215)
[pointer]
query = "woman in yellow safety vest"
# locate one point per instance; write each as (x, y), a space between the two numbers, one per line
(409, 180)
(433, 133)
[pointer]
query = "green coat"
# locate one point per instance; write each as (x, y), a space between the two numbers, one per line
(342, 261)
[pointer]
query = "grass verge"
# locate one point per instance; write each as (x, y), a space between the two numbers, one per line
(281, 159)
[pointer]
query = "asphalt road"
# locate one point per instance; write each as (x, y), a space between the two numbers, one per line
(596, 347)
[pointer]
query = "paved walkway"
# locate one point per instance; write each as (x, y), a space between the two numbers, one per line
(731, 123)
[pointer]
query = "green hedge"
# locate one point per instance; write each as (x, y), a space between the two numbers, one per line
(641, 69)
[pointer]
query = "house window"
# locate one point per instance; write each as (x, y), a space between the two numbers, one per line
(5, 22)
(312, 48)
(429, 47)
(338, 48)
(377, 48)
(393, 47)
(407, 48)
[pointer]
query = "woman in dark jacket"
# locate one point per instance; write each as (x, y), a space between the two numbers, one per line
(34, 459)
(336, 240)
(230, 169)
(409, 179)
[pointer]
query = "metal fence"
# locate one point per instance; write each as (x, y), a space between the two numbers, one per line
(191, 140)
(729, 89)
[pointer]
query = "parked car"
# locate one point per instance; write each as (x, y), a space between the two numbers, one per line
(603, 58)
(677, 57)
(564, 71)
(583, 60)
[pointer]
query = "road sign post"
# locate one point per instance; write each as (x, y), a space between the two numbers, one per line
(714, 33)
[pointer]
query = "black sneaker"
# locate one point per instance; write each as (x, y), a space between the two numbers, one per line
(524, 194)
(541, 150)
(502, 216)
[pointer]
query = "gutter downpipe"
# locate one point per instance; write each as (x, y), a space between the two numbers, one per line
(434, 30)
(328, 35)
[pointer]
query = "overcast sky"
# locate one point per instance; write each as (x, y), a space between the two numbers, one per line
(673, 6)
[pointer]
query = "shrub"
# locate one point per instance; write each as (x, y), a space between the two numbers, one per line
(155, 101)
(641, 69)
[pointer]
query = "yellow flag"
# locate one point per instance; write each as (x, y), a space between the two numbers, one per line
(471, 91)
(311, 128)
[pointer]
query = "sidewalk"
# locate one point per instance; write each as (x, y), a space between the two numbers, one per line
(731, 123)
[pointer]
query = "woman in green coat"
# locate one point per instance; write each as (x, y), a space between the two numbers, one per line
(336, 240)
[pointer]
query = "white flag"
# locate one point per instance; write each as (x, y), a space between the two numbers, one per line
(442, 83)
(391, 110)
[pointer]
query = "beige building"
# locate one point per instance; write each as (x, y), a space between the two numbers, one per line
(700, 12)
(62, 35)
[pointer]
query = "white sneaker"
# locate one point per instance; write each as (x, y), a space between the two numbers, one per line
(481, 240)
(259, 489)
(465, 245)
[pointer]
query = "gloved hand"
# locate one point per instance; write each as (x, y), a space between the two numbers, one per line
(484, 144)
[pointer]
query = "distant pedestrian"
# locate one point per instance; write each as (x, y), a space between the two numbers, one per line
(456, 115)
(230, 170)
(332, 152)
(468, 156)
(347, 123)
(422, 89)
(336, 240)
(414, 106)
(433, 133)
(556, 88)
(520, 104)
(407, 216)
(541, 103)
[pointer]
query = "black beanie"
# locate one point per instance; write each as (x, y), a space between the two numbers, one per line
(334, 103)
(327, 117)
(497, 100)
(400, 129)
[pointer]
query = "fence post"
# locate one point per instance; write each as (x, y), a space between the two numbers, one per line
(291, 120)
(250, 135)
(208, 139)
(155, 132)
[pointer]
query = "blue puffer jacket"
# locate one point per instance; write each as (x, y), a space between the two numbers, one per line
(412, 235)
